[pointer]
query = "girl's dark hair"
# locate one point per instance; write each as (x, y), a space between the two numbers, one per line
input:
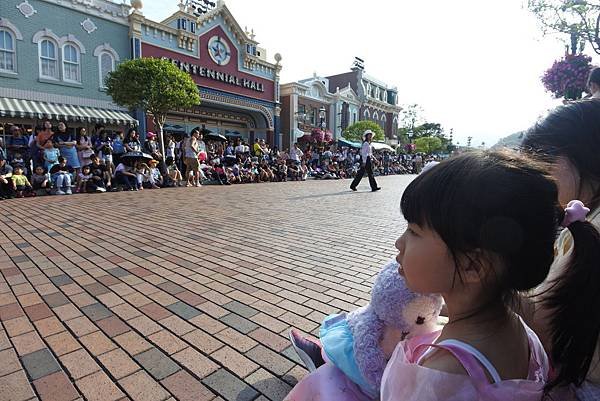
(501, 203)
(574, 301)
(572, 131)
(129, 132)
(594, 76)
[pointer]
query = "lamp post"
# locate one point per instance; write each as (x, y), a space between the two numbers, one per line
(322, 112)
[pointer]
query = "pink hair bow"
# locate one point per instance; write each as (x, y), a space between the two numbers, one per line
(575, 211)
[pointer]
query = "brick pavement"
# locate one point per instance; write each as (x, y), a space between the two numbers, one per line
(181, 294)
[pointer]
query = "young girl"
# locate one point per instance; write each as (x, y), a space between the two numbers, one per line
(174, 173)
(51, 155)
(142, 172)
(40, 181)
(481, 229)
(155, 178)
(566, 315)
(83, 179)
(21, 184)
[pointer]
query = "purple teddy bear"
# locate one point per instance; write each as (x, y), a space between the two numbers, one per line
(352, 342)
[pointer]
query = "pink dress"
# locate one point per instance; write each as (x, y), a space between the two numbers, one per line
(405, 380)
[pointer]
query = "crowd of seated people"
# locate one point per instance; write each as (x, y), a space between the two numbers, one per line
(59, 161)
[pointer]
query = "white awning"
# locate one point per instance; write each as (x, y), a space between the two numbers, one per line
(19, 108)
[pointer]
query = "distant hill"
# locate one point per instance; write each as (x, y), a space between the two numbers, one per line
(511, 141)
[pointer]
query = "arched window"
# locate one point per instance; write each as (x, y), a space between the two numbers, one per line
(7, 51)
(366, 114)
(106, 63)
(48, 59)
(71, 63)
(375, 116)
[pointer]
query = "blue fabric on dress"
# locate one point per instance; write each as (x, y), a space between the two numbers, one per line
(338, 344)
(69, 153)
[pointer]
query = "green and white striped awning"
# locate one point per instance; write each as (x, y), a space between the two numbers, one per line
(19, 108)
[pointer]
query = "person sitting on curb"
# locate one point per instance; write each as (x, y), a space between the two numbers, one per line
(61, 177)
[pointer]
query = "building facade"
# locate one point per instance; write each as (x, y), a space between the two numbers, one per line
(54, 56)
(239, 88)
(308, 104)
(378, 100)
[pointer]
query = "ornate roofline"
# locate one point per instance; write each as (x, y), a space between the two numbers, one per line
(105, 9)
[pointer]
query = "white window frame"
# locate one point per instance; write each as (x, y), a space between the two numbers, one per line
(56, 59)
(12, 52)
(367, 114)
(98, 53)
(114, 65)
(64, 62)
(6, 25)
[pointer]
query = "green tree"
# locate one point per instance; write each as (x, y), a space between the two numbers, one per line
(428, 129)
(153, 85)
(428, 144)
(580, 19)
(355, 131)
(410, 117)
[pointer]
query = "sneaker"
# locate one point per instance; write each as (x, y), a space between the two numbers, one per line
(60, 192)
(308, 351)
(100, 189)
(69, 192)
(198, 185)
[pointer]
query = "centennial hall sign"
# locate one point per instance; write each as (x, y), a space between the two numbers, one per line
(205, 72)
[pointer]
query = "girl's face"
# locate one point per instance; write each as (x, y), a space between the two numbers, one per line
(426, 263)
(39, 171)
(86, 170)
(62, 127)
(47, 125)
(568, 180)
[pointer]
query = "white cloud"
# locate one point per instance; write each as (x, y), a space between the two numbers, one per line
(473, 65)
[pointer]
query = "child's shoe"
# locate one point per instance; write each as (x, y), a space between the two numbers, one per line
(308, 351)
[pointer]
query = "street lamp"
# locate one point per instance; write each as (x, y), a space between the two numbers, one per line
(322, 117)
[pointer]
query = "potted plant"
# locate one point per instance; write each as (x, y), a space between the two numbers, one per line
(567, 78)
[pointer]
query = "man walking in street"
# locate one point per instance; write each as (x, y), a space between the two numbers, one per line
(366, 155)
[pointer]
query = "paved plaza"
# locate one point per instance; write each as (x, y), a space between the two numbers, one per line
(183, 293)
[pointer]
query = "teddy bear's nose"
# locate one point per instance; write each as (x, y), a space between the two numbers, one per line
(420, 320)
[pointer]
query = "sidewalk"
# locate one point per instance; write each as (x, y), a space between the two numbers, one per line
(124, 296)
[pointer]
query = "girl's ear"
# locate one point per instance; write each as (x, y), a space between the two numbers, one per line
(473, 266)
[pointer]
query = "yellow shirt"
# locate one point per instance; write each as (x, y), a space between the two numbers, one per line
(20, 180)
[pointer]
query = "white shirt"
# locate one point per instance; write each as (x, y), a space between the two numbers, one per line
(366, 151)
(296, 154)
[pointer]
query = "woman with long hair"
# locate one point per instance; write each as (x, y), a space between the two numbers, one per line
(567, 304)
